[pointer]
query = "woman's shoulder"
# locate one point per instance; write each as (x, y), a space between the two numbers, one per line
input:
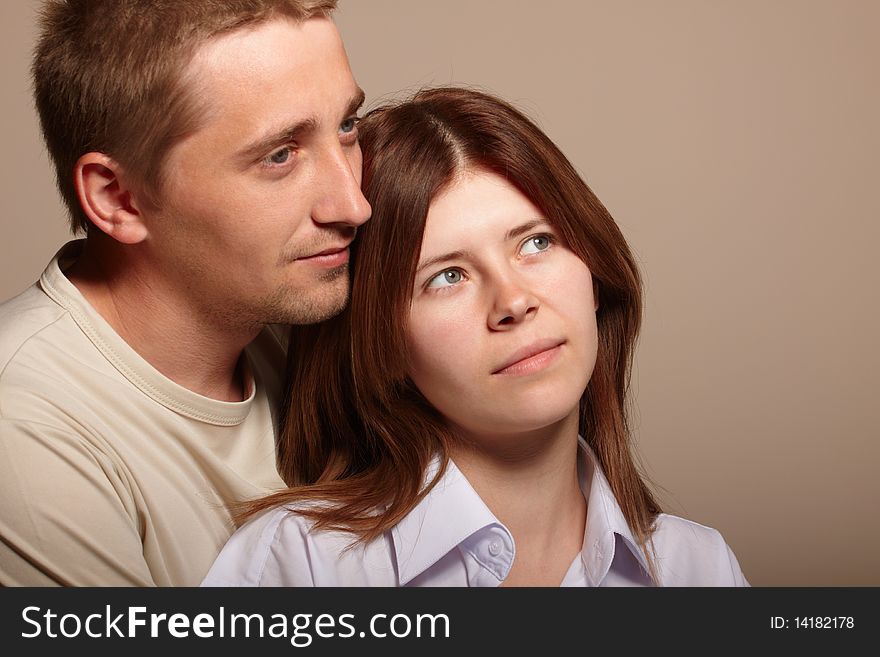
(244, 559)
(690, 554)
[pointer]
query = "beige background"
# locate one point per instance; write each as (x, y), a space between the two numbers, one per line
(736, 143)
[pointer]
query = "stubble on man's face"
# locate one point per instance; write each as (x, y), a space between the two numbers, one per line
(327, 299)
(290, 305)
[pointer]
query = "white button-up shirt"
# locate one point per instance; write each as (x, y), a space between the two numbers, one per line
(451, 538)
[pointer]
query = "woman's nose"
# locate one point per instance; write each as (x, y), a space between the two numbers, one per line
(512, 304)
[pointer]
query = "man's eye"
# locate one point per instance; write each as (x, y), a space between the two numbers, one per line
(280, 156)
(446, 278)
(349, 124)
(536, 244)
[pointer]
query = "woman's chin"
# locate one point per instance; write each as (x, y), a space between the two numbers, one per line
(529, 424)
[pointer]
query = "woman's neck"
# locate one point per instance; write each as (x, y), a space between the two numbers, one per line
(530, 482)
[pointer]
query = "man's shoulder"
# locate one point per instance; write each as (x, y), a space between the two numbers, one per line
(23, 319)
(45, 359)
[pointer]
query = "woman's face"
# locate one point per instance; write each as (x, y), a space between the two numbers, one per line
(502, 326)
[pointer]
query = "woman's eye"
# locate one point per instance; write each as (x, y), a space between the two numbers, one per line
(446, 278)
(536, 244)
(281, 156)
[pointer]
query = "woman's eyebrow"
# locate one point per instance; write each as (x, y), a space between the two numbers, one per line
(452, 255)
(522, 229)
(514, 232)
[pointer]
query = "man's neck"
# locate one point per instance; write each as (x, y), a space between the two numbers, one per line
(162, 326)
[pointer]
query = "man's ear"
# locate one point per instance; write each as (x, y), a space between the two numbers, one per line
(107, 199)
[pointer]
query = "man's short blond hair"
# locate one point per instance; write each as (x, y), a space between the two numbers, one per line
(108, 77)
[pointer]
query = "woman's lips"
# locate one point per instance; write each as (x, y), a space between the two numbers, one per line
(532, 358)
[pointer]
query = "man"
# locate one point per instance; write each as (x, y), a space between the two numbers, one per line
(209, 151)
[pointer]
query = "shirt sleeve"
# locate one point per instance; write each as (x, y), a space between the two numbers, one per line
(67, 517)
(737, 576)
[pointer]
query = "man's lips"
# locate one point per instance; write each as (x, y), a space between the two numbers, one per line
(330, 250)
(531, 357)
(332, 256)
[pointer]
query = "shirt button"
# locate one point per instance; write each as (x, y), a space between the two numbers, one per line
(494, 548)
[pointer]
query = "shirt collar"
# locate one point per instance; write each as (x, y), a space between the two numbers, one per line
(127, 361)
(605, 520)
(450, 513)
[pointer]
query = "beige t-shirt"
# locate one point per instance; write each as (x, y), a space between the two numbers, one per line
(110, 473)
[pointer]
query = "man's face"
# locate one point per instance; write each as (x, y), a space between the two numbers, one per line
(262, 201)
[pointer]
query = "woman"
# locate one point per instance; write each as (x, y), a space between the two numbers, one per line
(463, 422)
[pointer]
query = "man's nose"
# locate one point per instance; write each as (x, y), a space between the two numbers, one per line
(341, 200)
(512, 302)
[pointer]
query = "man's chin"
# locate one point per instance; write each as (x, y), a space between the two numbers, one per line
(326, 299)
(333, 275)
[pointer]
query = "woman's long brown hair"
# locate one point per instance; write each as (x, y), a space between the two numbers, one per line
(357, 435)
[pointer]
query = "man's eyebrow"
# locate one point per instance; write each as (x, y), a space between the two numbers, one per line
(275, 139)
(357, 101)
(290, 133)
